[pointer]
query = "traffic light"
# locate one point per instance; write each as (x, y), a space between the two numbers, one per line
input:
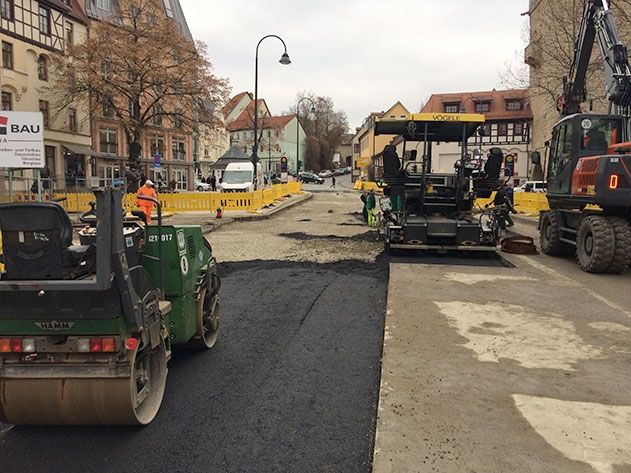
(509, 165)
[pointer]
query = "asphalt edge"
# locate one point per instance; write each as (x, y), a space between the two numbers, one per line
(214, 224)
(303, 197)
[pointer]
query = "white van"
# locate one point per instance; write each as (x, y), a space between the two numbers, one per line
(240, 177)
(533, 186)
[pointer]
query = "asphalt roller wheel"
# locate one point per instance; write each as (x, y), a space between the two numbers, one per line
(84, 401)
(207, 320)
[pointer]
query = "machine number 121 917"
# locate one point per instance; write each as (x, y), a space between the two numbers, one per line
(154, 238)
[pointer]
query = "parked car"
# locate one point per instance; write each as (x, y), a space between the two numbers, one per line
(339, 172)
(533, 186)
(308, 177)
(202, 186)
(326, 173)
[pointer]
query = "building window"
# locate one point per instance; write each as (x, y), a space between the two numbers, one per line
(178, 119)
(72, 119)
(7, 101)
(103, 5)
(44, 20)
(109, 140)
(7, 55)
(69, 33)
(107, 111)
(157, 146)
(6, 9)
(514, 105)
(482, 107)
(157, 115)
(206, 152)
(167, 8)
(44, 107)
(452, 107)
(178, 148)
(50, 153)
(42, 68)
(502, 129)
(518, 129)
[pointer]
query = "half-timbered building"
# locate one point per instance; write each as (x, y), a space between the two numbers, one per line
(32, 32)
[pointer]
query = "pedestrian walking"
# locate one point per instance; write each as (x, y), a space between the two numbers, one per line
(145, 206)
(333, 182)
(213, 183)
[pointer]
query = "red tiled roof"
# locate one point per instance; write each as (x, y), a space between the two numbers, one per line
(233, 102)
(497, 98)
(247, 122)
(245, 119)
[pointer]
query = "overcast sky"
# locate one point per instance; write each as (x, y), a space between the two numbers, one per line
(364, 54)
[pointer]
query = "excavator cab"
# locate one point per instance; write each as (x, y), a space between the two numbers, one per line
(576, 137)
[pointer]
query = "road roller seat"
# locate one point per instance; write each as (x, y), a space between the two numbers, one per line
(37, 242)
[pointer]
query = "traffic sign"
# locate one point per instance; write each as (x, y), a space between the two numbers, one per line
(156, 161)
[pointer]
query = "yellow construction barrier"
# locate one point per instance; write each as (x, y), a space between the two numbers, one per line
(195, 201)
(525, 202)
(367, 186)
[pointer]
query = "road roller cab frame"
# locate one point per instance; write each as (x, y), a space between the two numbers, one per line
(434, 211)
(86, 330)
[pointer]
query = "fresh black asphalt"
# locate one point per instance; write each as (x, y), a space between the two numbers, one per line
(291, 386)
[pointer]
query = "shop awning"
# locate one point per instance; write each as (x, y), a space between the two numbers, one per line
(81, 149)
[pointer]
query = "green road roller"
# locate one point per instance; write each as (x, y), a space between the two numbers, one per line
(88, 320)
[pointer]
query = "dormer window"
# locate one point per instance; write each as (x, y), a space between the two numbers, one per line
(452, 107)
(513, 105)
(482, 107)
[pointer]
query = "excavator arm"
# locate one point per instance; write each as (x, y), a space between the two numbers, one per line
(598, 22)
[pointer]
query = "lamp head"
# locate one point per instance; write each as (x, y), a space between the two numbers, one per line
(284, 59)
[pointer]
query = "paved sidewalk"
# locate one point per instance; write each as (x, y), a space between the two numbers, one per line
(210, 223)
(493, 369)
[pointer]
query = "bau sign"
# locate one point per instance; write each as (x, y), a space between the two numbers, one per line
(22, 140)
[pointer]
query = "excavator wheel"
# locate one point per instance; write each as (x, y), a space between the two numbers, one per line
(595, 244)
(133, 400)
(550, 234)
(622, 250)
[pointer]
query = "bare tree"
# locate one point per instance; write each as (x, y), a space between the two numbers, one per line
(551, 42)
(325, 131)
(139, 68)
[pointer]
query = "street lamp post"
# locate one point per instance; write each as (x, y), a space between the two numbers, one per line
(313, 110)
(284, 59)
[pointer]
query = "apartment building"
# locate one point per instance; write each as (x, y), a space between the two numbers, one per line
(31, 34)
(508, 126)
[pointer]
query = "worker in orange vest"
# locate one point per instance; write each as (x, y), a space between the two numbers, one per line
(146, 206)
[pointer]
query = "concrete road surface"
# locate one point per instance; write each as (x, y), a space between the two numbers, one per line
(495, 369)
